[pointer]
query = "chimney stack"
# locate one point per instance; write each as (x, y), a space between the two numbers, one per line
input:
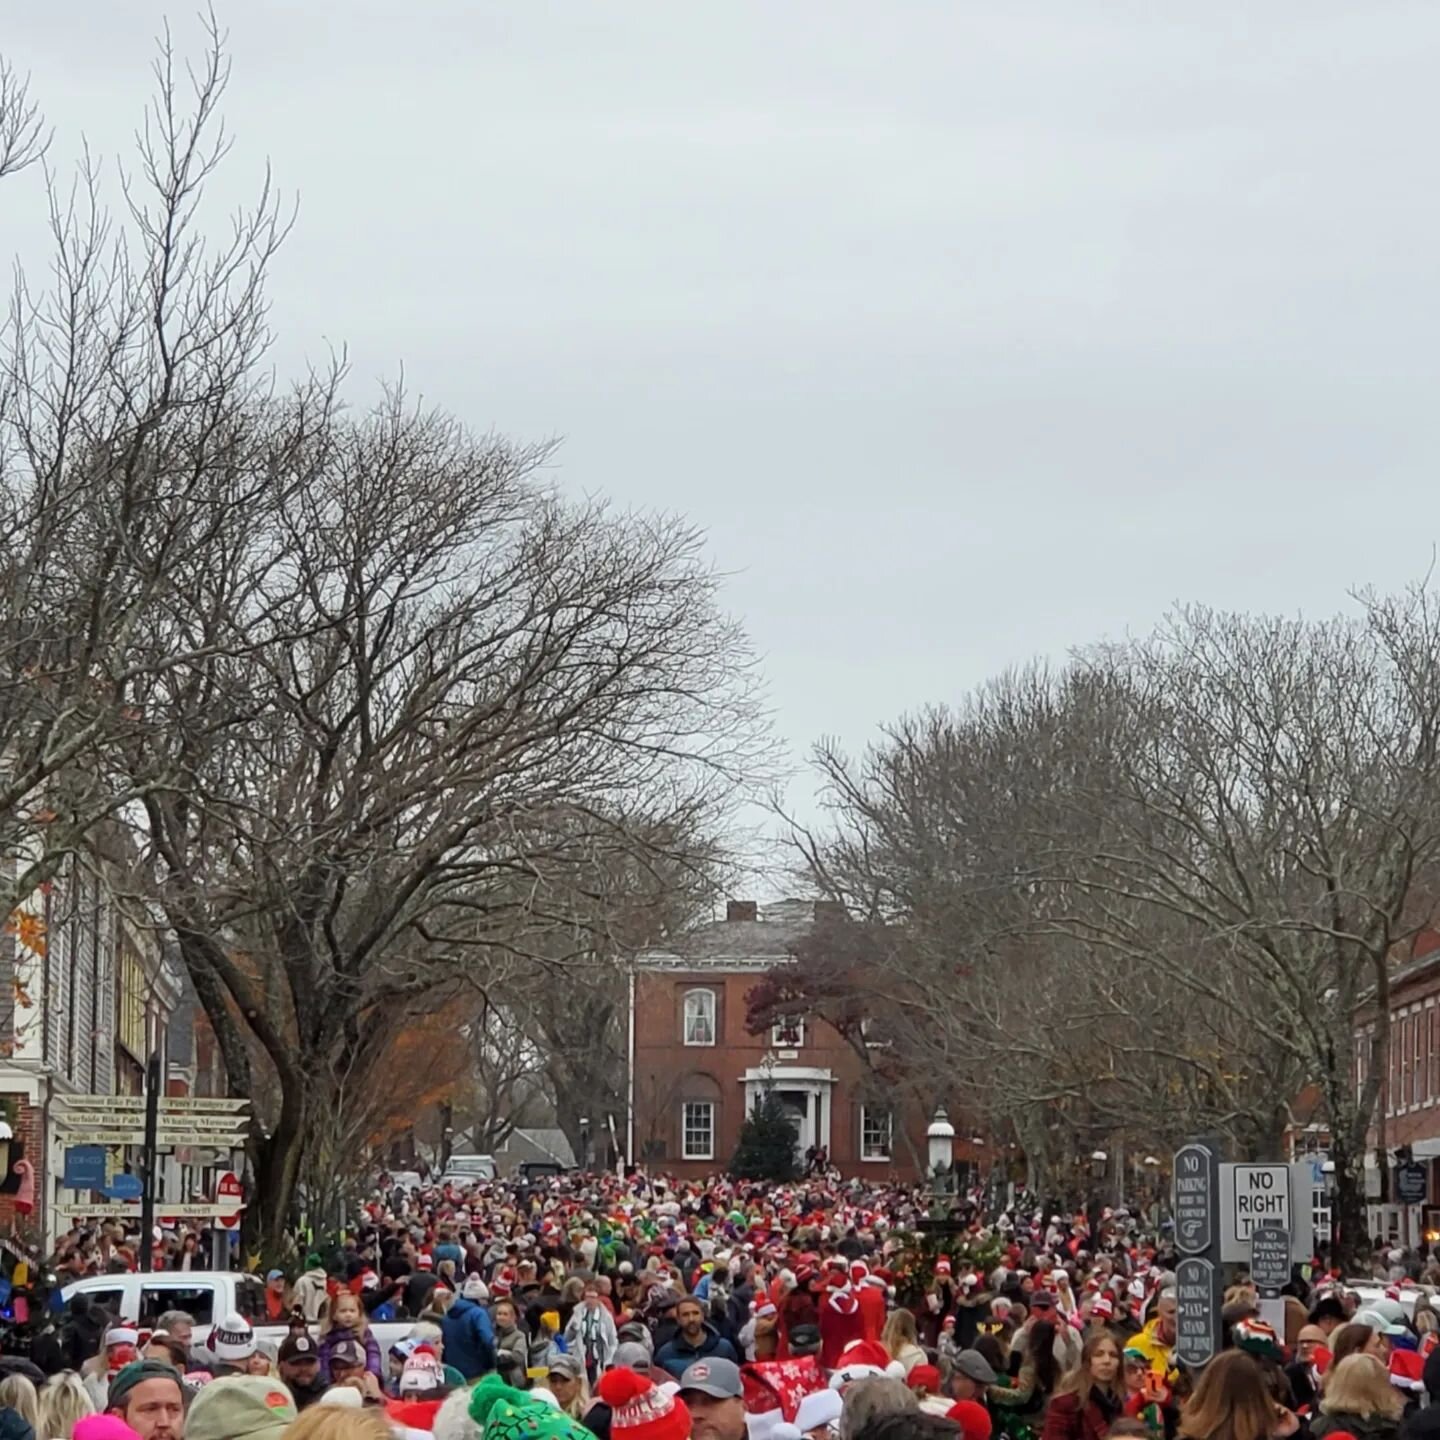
(742, 910)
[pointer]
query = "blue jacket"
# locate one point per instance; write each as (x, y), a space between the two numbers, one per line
(469, 1338)
(678, 1355)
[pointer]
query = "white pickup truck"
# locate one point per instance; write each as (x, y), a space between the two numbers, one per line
(208, 1295)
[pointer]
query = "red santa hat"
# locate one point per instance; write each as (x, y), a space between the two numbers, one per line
(639, 1410)
(858, 1271)
(424, 1261)
(942, 1265)
(1407, 1370)
(764, 1309)
(948, 1323)
(1103, 1308)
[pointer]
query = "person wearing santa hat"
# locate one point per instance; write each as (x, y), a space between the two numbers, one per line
(841, 1325)
(869, 1291)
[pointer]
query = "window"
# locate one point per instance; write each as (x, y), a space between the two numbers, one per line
(698, 1122)
(132, 985)
(700, 1018)
(197, 1301)
(1417, 1070)
(788, 1032)
(874, 1133)
(1434, 1014)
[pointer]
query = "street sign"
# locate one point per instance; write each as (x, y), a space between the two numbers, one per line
(1254, 1195)
(169, 1104)
(166, 1138)
(1412, 1184)
(124, 1187)
(130, 1210)
(1194, 1198)
(1270, 1258)
(84, 1167)
(229, 1190)
(1197, 1311)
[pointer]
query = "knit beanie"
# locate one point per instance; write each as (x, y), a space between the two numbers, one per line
(639, 1411)
(127, 1378)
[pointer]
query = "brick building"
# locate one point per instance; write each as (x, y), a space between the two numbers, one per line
(696, 1071)
(1410, 1091)
(85, 995)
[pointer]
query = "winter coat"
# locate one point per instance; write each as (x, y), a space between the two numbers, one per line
(591, 1335)
(14, 1426)
(679, 1354)
(512, 1341)
(469, 1338)
(841, 1324)
(1071, 1418)
(311, 1295)
(330, 1341)
(1362, 1427)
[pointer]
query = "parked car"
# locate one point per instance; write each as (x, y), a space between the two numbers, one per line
(207, 1295)
(469, 1169)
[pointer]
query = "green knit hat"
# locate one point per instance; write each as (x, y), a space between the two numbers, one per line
(488, 1392)
(532, 1420)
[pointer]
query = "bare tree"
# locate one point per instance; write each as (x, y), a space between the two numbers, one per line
(23, 137)
(135, 440)
(1175, 869)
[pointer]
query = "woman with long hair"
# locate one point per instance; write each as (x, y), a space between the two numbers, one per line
(1088, 1400)
(63, 1401)
(1019, 1407)
(1360, 1400)
(18, 1394)
(1232, 1402)
(901, 1339)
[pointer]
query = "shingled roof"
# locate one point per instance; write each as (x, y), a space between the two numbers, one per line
(747, 944)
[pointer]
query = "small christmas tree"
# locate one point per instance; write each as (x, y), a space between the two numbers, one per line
(767, 1142)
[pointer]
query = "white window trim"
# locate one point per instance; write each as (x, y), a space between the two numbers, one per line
(714, 1020)
(685, 1151)
(884, 1159)
(798, 1043)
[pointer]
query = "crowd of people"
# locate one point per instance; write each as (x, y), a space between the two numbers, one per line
(608, 1308)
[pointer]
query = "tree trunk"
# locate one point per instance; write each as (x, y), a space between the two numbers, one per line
(1348, 1212)
(276, 1161)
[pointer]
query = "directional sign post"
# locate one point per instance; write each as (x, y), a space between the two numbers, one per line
(1197, 1276)
(84, 1167)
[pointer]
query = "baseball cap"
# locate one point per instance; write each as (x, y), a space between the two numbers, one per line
(348, 1352)
(974, 1366)
(240, 1407)
(299, 1347)
(567, 1365)
(718, 1378)
(632, 1354)
(1378, 1321)
(274, 1275)
(1042, 1300)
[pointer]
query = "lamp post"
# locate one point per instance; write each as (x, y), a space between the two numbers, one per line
(940, 1145)
(584, 1142)
(6, 1136)
(1327, 1183)
(1099, 1163)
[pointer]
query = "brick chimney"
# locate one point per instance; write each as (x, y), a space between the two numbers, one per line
(742, 910)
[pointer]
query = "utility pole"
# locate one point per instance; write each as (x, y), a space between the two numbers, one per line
(150, 1161)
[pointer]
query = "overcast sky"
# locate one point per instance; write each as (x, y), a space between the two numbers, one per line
(968, 331)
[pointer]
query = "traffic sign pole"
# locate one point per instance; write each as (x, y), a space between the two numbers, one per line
(151, 1162)
(1197, 1237)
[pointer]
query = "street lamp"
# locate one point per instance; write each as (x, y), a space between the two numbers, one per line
(1099, 1160)
(584, 1142)
(6, 1136)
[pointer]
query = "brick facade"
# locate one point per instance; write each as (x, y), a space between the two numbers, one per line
(697, 1069)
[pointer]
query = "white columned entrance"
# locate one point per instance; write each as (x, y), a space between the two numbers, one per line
(804, 1090)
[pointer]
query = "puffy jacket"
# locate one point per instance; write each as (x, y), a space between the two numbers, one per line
(330, 1341)
(469, 1338)
(14, 1426)
(679, 1354)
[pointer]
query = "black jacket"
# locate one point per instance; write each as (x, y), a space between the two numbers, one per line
(14, 1426)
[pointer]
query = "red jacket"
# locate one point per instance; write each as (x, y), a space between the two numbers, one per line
(841, 1324)
(1070, 1419)
(872, 1309)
